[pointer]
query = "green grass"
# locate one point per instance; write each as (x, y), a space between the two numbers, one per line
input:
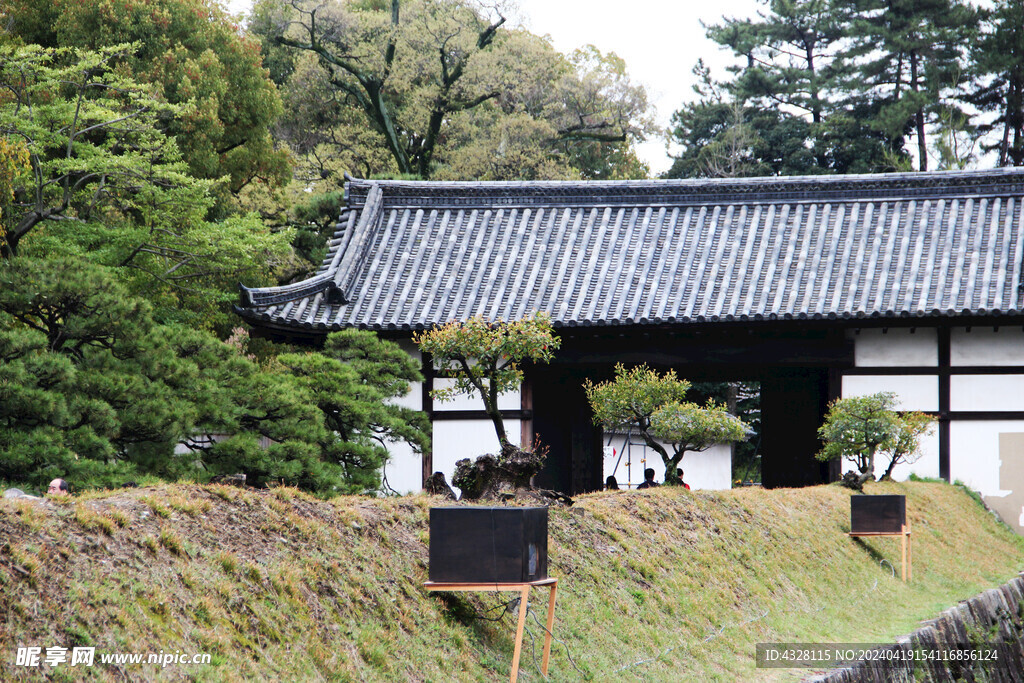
(663, 585)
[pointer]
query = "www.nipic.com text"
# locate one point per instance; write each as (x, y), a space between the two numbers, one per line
(87, 656)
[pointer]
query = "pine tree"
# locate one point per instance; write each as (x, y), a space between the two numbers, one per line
(787, 54)
(93, 390)
(998, 59)
(905, 56)
(785, 103)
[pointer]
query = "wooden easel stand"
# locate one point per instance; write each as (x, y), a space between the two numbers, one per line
(906, 563)
(524, 591)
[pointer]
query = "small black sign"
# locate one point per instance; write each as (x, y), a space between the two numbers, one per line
(877, 514)
(488, 544)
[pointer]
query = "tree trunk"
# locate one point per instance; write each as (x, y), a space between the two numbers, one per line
(922, 142)
(1015, 117)
(1004, 145)
(652, 444)
(815, 94)
(499, 426)
(671, 465)
(887, 475)
(491, 406)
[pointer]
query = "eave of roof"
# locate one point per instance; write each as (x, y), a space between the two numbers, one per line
(400, 246)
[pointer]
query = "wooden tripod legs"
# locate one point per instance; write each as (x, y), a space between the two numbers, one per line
(523, 600)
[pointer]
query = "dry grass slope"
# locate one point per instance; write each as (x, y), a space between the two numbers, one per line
(659, 585)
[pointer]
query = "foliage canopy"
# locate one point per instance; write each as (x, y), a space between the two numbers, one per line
(448, 91)
(90, 172)
(654, 405)
(860, 428)
(95, 391)
(195, 57)
(855, 86)
(484, 358)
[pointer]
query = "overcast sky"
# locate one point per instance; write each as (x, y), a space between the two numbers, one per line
(660, 40)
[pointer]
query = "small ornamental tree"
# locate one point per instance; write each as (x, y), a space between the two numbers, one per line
(907, 440)
(483, 358)
(859, 428)
(653, 405)
(689, 427)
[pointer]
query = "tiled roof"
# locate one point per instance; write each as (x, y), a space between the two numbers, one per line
(408, 255)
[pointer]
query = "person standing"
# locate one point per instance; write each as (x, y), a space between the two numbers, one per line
(679, 476)
(648, 480)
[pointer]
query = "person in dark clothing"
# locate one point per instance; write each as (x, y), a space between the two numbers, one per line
(648, 480)
(611, 483)
(679, 475)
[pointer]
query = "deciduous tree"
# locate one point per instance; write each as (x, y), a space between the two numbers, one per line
(859, 428)
(653, 406)
(442, 84)
(111, 187)
(194, 56)
(483, 358)
(92, 142)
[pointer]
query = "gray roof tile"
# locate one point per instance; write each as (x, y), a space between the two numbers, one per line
(409, 255)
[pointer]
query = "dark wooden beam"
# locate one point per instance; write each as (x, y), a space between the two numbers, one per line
(427, 406)
(945, 354)
(936, 370)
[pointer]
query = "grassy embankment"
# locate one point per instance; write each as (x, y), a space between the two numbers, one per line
(669, 584)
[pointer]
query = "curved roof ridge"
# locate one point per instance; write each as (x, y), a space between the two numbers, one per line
(912, 177)
(688, 191)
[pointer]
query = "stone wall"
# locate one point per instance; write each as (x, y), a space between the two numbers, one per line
(996, 617)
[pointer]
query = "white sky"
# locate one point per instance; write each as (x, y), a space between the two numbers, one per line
(660, 41)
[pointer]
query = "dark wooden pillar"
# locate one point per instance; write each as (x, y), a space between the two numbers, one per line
(793, 405)
(563, 423)
(428, 408)
(526, 406)
(945, 354)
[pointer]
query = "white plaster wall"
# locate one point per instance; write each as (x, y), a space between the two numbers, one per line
(913, 392)
(926, 466)
(404, 469)
(974, 453)
(985, 346)
(895, 347)
(986, 392)
(458, 439)
(507, 401)
(413, 399)
(710, 469)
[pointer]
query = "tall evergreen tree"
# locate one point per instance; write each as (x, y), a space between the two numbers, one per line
(783, 111)
(998, 58)
(721, 137)
(906, 56)
(787, 52)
